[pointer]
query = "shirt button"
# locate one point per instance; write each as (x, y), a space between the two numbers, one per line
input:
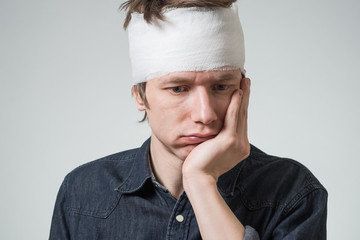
(180, 218)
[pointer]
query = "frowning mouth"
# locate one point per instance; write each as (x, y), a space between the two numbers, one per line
(196, 139)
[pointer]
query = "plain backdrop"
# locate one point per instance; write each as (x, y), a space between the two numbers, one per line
(65, 98)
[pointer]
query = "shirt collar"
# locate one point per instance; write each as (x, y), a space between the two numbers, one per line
(140, 171)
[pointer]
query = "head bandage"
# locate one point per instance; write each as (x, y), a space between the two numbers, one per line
(190, 39)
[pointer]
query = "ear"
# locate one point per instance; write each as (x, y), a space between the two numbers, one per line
(138, 100)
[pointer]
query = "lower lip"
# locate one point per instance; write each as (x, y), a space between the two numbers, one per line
(195, 139)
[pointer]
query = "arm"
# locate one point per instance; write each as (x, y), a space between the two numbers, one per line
(215, 219)
(210, 160)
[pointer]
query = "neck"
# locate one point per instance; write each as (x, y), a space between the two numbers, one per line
(166, 167)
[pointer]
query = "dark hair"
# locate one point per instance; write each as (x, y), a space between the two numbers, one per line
(152, 9)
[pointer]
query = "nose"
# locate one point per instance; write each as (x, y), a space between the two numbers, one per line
(203, 109)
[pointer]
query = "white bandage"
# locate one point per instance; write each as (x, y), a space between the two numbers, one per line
(190, 39)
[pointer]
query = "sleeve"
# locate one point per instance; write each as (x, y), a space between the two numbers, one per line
(59, 226)
(251, 234)
(305, 218)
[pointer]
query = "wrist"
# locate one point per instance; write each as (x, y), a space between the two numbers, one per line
(195, 181)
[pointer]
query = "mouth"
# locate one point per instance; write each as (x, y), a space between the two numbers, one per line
(196, 139)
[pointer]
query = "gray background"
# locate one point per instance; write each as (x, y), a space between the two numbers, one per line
(65, 98)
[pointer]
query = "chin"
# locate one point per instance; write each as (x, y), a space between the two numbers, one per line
(185, 151)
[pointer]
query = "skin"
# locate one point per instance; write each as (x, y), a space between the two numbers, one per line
(199, 131)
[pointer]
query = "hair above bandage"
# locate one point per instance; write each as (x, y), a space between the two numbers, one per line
(190, 39)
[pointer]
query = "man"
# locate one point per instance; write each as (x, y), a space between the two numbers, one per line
(197, 177)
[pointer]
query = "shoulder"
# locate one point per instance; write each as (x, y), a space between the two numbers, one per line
(271, 181)
(275, 196)
(114, 166)
(91, 188)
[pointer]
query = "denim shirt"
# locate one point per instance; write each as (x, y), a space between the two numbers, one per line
(116, 197)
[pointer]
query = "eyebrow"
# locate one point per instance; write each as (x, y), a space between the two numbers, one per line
(176, 80)
(225, 77)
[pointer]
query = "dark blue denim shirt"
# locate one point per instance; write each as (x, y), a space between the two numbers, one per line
(116, 198)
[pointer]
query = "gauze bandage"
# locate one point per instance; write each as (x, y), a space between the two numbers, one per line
(189, 39)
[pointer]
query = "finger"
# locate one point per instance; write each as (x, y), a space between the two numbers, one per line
(245, 87)
(232, 113)
(243, 110)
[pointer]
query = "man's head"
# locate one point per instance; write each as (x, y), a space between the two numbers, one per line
(187, 59)
(207, 37)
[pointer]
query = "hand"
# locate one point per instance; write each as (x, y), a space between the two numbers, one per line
(216, 156)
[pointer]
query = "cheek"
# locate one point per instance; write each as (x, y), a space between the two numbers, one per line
(161, 102)
(163, 113)
(222, 106)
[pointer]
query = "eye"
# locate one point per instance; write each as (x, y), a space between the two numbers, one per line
(221, 87)
(178, 89)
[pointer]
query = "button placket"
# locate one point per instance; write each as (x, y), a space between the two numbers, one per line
(179, 224)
